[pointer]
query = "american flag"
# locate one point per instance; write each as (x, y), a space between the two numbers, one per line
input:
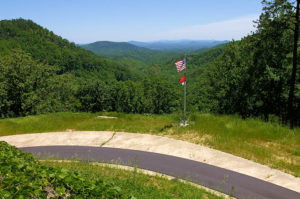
(180, 65)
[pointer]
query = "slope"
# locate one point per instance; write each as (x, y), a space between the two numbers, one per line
(197, 63)
(129, 55)
(46, 47)
(111, 48)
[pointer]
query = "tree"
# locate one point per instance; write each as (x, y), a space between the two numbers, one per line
(20, 77)
(291, 108)
(274, 36)
(96, 96)
(252, 77)
(28, 87)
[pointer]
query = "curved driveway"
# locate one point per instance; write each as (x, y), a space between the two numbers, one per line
(229, 182)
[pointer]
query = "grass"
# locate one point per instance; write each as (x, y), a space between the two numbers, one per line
(85, 121)
(266, 143)
(135, 183)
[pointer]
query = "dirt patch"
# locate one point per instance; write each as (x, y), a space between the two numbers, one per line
(285, 159)
(106, 117)
(205, 138)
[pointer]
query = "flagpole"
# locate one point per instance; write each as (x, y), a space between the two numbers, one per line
(184, 104)
(181, 65)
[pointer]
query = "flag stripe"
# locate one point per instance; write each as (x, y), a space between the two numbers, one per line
(180, 65)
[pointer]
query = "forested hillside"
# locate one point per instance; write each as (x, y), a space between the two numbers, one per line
(154, 62)
(46, 47)
(41, 72)
(111, 48)
(135, 58)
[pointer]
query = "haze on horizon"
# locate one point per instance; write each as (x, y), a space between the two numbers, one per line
(86, 21)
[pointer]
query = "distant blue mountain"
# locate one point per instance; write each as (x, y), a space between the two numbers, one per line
(178, 45)
(111, 48)
(127, 53)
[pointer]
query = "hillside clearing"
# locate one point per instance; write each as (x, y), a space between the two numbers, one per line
(265, 143)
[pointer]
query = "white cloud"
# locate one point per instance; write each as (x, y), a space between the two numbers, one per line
(223, 30)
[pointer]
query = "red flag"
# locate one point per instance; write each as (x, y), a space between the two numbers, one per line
(182, 80)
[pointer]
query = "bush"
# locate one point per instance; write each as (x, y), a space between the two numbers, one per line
(22, 176)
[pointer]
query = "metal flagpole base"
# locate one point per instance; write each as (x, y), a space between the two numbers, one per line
(184, 124)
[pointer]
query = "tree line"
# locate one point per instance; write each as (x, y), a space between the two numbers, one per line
(29, 87)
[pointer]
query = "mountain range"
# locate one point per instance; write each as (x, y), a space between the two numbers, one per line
(178, 45)
(109, 47)
(130, 55)
(140, 55)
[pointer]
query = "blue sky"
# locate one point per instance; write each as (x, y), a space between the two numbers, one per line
(84, 21)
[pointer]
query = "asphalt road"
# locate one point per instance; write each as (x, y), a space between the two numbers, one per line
(226, 181)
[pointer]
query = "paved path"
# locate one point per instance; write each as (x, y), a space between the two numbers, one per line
(157, 144)
(229, 182)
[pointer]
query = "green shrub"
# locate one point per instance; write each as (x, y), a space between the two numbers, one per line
(22, 176)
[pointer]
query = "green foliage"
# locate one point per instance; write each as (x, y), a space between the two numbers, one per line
(96, 95)
(251, 77)
(29, 87)
(199, 91)
(46, 47)
(137, 59)
(22, 176)
(150, 96)
(134, 182)
(42, 73)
